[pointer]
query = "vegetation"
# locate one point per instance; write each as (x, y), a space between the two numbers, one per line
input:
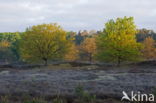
(120, 41)
(144, 33)
(149, 50)
(9, 46)
(44, 42)
(72, 53)
(88, 48)
(84, 96)
(117, 43)
(36, 100)
(58, 100)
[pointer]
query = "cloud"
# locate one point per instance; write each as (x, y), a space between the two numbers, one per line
(74, 15)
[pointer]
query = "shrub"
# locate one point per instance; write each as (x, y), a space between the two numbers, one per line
(84, 96)
(36, 100)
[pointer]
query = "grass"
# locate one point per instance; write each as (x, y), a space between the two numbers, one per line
(82, 96)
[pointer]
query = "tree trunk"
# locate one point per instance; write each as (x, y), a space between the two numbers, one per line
(45, 61)
(119, 61)
(90, 58)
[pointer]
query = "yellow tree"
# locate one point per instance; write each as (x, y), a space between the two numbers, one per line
(4, 44)
(44, 42)
(88, 46)
(149, 50)
(117, 43)
(73, 53)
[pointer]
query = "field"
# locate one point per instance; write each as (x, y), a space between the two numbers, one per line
(106, 82)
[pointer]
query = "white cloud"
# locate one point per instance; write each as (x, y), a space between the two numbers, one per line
(74, 14)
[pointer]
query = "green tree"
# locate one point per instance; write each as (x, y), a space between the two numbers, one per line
(117, 43)
(11, 52)
(44, 42)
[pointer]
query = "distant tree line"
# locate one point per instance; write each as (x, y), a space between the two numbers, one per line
(142, 34)
(9, 47)
(120, 41)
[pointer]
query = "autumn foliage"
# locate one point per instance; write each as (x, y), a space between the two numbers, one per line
(73, 53)
(43, 42)
(4, 44)
(118, 42)
(149, 50)
(88, 47)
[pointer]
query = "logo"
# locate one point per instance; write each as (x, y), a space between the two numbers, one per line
(137, 97)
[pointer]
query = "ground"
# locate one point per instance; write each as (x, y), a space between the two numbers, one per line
(105, 82)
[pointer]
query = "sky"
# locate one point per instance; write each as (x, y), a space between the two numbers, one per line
(74, 15)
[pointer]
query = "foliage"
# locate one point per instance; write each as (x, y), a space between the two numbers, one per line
(79, 39)
(88, 47)
(149, 50)
(5, 99)
(72, 53)
(58, 100)
(144, 33)
(4, 50)
(44, 42)
(83, 96)
(9, 46)
(10, 37)
(118, 41)
(4, 44)
(36, 100)
(71, 34)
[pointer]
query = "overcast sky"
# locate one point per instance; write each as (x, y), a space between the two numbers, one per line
(16, 15)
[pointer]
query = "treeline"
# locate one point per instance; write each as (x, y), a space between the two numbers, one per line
(120, 41)
(9, 43)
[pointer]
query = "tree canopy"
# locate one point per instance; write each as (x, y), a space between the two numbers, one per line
(149, 50)
(88, 47)
(43, 42)
(117, 43)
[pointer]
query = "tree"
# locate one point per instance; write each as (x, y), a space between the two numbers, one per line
(142, 34)
(44, 42)
(73, 53)
(5, 53)
(12, 39)
(88, 47)
(149, 50)
(4, 44)
(79, 39)
(117, 43)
